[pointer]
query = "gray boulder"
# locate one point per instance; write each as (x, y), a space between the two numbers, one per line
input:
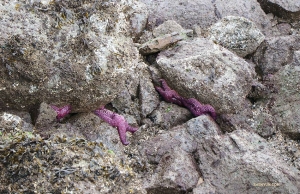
(65, 53)
(285, 107)
(208, 72)
(242, 161)
(287, 9)
(237, 34)
(204, 13)
(276, 52)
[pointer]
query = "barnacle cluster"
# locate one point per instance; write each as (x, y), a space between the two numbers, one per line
(32, 164)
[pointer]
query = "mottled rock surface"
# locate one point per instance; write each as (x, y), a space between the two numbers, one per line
(239, 160)
(168, 115)
(276, 52)
(285, 106)
(204, 13)
(65, 53)
(203, 70)
(237, 34)
(287, 9)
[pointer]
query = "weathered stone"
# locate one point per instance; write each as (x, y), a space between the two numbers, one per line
(12, 121)
(204, 13)
(287, 9)
(60, 54)
(243, 161)
(237, 34)
(210, 73)
(169, 115)
(138, 18)
(275, 52)
(149, 98)
(182, 137)
(162, 42)
(46, 117)
(286, 107)
(167, 27)
(177, 173)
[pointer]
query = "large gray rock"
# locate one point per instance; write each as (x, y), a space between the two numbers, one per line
(236, 161)
(286, 107)
(204, 13)
(275, 52)
(65, 53)
(242, 161)
(207, 72)
(287, 9)
(237, 34)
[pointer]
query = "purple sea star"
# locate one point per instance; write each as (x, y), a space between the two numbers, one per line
(198, 109)
(61, 112)
(192, 104)
(116, 120)
(168, 94)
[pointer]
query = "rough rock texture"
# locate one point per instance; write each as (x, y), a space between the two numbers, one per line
(204, 13)
(138, 18)
(205, 71)
(167, 27)
(243, 161)
(162, 42)
(62, 164)
(15, 121)
(285, 106)
(287, 9)
(237, 34)
(89, 52)
(46, 117)
(177, 173)
(276, 52)
(149, 99)
(168, 115)
(237, 161)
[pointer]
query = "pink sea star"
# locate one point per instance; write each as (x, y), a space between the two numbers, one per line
(192, 104)
(116, 120)
(198, 109)
(168, 94)
(61, 112)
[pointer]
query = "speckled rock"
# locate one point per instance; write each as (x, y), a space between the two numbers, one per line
(46, 117)
(63, 163)
(285, 107)
(287, 9)
(177, 173)
(167, 27)
(276, 52)
(204, 13)
(237, 34)
(14, 121)
(182, 137)
(149, 99)
(138, 18)
(243, 161)
(76, 53)
(169, 115)
(210, 73)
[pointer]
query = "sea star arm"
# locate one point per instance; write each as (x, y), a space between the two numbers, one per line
(131, 129)
(61, 112)
(198, 109)
(116, 120)
(106, 115)
(122, 134)
(168, 94)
